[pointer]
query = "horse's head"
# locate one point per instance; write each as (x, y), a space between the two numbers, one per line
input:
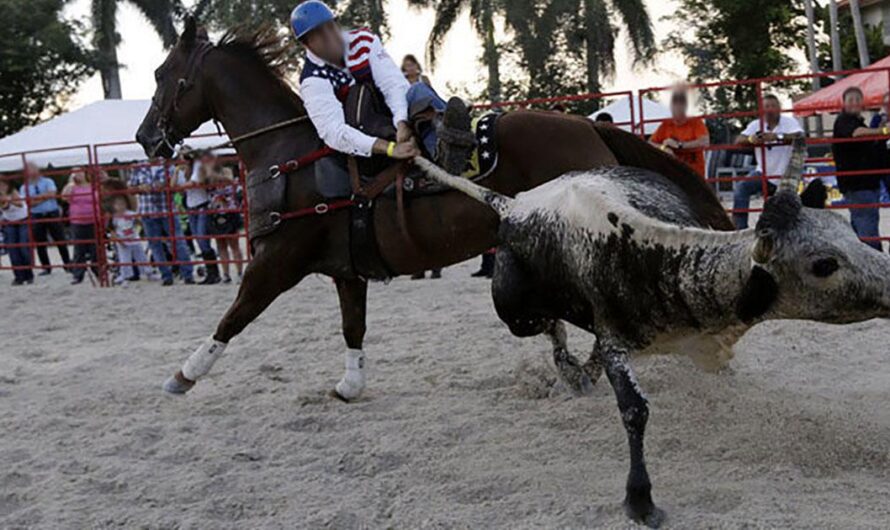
(179, 105)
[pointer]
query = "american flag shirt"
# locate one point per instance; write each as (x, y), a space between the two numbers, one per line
(324, 88)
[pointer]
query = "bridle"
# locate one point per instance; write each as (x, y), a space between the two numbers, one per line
(169, 135)
(172, 137)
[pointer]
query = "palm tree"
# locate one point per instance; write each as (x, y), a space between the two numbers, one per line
(160, 14)
(859, 30)
(482, 14)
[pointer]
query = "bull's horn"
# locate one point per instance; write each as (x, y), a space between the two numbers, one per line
(794, 172)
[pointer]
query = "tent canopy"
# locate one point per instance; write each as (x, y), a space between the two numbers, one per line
(873, 85)
(620, 111)
(102, 122)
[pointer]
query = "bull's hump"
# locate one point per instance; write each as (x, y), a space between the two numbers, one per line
(619, 200)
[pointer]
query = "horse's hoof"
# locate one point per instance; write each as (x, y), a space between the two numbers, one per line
(336, 395)
(177, 384)
(645, 513)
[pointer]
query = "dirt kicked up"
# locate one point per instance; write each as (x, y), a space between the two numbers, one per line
(458, 428)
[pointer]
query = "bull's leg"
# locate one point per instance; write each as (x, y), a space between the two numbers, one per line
(569, 370)
(634, 410)
(353, 304)
(264, 279)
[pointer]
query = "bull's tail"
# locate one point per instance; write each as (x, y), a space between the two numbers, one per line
(497, 202)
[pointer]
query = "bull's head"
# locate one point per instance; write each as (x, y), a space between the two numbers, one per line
(179, 105)
(809, 264)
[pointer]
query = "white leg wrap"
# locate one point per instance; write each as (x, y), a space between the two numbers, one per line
(200, 362)
(353, 382)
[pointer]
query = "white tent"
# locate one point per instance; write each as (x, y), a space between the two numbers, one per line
(102, 122)
(620, 111)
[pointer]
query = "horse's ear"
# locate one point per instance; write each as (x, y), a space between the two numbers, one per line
(190, 33)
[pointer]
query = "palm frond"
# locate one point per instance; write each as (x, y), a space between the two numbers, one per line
(447, 12)
(160, 14)
(636, 21)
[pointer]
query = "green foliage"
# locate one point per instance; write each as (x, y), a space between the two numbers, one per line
(42, 62)
(728, 39)
(568, 46)
(874, 40)
(226, 14)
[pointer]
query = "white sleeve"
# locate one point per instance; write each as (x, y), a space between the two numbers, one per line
(390, 80)
(326, 113)
(752, 128)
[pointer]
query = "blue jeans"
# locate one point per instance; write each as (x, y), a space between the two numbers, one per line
(160, 227)
(865, 220)
(419, 94)
(198, 225)
(16, 234)
(742, 191)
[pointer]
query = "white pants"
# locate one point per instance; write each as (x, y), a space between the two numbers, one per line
(128, 253)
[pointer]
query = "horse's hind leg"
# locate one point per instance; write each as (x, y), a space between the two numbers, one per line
(264, 279)
(353, 295)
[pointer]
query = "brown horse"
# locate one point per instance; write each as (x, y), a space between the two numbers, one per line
(239, 82)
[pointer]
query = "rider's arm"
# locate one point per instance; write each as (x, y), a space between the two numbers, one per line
(326, 113)
(390, 80)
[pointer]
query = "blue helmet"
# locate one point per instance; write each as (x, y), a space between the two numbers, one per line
(308, 16)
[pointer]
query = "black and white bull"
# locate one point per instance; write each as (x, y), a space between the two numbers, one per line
(618, 252)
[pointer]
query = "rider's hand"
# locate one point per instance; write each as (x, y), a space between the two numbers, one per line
(405, 151)
(403, 132)
(671, 143)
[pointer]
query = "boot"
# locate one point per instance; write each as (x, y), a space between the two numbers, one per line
(212, 274)
(487, 268)
(454, 137)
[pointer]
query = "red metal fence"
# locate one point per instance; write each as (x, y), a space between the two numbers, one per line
(104, 240)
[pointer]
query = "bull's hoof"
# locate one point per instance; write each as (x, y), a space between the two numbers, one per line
(177, 384)
(573, 376)
(644, 512)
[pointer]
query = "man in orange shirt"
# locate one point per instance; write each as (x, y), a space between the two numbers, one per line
(682, 136)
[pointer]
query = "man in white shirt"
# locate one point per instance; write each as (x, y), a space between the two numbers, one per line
(772, 149)
(336, 60)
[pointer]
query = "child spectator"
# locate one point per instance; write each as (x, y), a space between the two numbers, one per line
(127, 245)
(14, 214)
(226, 225)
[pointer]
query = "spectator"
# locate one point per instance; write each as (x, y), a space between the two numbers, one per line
(197, 199)
(426, 102)
(772, 139)
(130, 254)
(154, 200)
(879, 121)
(40, 194)
(859, 156)
(82, 203)
(683, 136)
(14, 215)
(604, 118)
(226, 224)
(414, 74)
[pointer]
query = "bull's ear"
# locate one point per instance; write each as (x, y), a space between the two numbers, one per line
(190, 33)
(758, 295)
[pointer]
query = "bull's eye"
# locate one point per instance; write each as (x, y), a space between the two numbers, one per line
(825, 267)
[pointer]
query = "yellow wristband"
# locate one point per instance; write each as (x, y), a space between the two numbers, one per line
(885, 131)
(390, 148)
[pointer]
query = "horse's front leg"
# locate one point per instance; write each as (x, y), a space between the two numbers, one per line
(634, 410)
(353, 295)
(266, 276)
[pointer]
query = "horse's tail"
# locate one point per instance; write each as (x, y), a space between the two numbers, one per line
(494, 200)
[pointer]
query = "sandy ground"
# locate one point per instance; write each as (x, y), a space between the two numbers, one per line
(457, 430)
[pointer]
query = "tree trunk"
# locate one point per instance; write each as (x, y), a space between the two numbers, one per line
(591, 53)
(836, 63)
(811, 43)
(491, 57)
(859, 29)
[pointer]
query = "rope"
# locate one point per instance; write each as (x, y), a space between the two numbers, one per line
(258, 132)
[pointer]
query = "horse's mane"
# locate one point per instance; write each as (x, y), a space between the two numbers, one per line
(631, 151)
(264, 44)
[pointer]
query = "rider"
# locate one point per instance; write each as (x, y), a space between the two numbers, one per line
(336, 60)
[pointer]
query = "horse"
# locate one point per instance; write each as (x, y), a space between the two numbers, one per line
(241, 83)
